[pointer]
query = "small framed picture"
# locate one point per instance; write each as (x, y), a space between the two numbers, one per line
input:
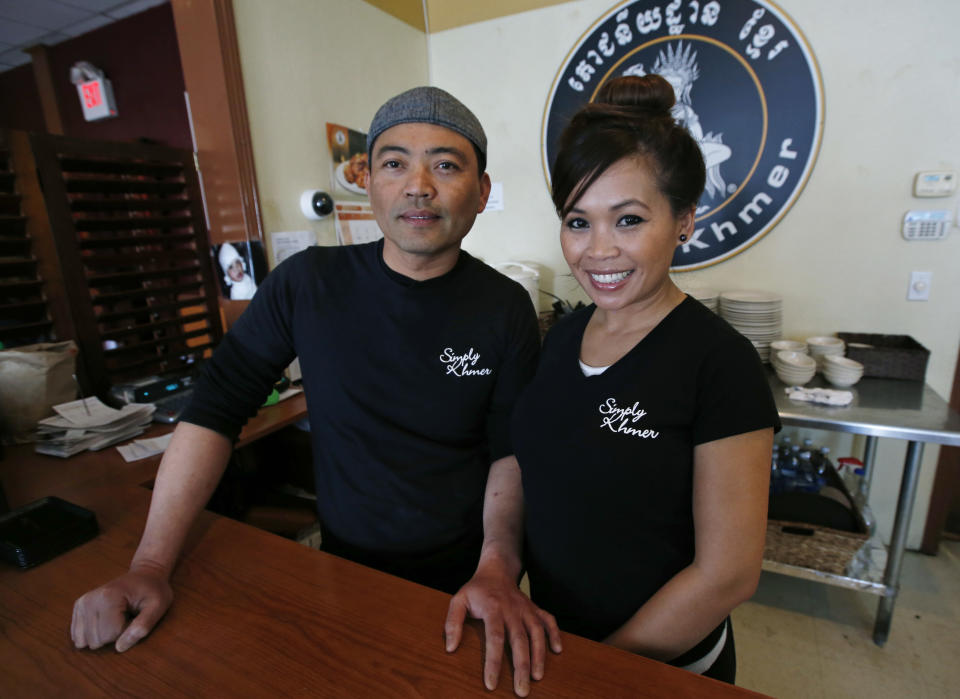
(242, 266)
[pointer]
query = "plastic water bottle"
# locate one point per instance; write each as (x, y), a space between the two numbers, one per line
(784, 449)
(868, 519)
(804, 466)
(851, 473)
(774, 470)
(811, 480)
(822, 460)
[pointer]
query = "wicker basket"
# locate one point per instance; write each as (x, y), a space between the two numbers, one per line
(888, 356)
(807, 546)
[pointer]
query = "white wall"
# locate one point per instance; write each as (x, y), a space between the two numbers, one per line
(890, 80)
(307, 62)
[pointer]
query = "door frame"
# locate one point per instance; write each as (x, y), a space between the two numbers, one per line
(946, 482)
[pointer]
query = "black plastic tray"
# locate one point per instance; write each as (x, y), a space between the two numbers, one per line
(44, 529)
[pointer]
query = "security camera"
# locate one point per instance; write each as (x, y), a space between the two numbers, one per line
(316, 204)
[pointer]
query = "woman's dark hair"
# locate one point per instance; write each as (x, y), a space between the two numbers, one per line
(630, 116)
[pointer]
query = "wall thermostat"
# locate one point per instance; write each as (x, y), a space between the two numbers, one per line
(926, 225)
(935, 183)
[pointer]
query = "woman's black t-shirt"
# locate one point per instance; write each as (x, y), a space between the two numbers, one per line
(607, 460)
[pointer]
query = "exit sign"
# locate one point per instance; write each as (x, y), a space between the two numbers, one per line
(96, 99)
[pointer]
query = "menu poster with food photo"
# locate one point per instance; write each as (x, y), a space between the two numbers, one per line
(348, 152)
(355, 223)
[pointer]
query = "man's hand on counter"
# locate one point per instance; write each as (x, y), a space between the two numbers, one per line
(508, 615)
(99, 617)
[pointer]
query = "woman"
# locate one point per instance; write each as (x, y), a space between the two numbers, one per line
(644, 440)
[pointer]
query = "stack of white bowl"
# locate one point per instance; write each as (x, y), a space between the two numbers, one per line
(841, 371)
(824, 346)
(793, 368)
(788, 346)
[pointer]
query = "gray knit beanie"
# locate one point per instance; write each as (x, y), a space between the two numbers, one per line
(428, 105)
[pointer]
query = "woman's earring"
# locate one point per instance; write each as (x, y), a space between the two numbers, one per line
(683, 237)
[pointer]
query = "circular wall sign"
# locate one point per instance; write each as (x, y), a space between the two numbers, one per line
(748, 89)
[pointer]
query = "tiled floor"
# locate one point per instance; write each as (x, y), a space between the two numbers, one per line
(799, 639)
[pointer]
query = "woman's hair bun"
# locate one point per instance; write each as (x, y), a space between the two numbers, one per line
(630, 116)
(646, 93)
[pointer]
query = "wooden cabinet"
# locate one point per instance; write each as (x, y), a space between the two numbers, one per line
(122, 235)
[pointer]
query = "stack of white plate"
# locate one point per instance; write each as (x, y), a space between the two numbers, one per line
(823, 346)
(708, 297)
(794, 368)
(758, 315)
(841, 371)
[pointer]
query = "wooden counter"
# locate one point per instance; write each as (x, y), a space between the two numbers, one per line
(255, 614)
(258, 615)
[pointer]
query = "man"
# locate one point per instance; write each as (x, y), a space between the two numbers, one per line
(412, 354)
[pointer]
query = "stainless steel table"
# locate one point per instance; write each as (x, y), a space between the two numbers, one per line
(908, 410)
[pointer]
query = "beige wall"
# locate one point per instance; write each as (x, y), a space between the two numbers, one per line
(307, 62)
(447, 14)
(837, 257)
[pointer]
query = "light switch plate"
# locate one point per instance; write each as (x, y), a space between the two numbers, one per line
(919, 289)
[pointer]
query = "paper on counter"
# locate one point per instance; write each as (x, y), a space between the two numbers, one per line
(89, 424)
(67, 444)
(103, 441)
(74, 415)
(87, 412)
(142, 448)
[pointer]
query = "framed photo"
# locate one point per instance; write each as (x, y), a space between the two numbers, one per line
(242, 267)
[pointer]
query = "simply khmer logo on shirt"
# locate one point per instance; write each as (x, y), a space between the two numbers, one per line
(464, 364)
(624, 420)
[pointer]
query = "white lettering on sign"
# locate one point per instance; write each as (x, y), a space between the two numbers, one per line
(747, 52)
(777, 177)
(646, 21)
(753, 207)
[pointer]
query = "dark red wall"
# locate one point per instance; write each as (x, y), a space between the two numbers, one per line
(140, 57)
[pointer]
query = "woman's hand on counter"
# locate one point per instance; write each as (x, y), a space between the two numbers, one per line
(493, 597)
